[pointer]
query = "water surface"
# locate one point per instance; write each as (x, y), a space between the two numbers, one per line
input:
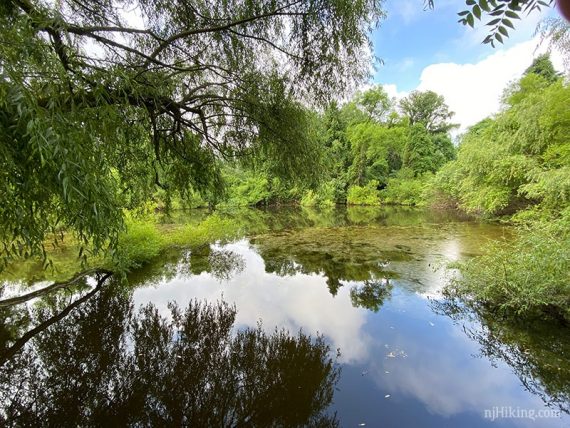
(364, 283)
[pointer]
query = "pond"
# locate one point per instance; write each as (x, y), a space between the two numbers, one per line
(331, 318)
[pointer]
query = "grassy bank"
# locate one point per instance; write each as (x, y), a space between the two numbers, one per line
(145, 238)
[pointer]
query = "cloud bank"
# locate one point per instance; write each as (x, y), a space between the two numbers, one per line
(473, 90)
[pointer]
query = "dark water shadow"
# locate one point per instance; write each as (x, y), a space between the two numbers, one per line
(100, 362)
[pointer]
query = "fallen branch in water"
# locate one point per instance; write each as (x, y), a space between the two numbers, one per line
(55, 286)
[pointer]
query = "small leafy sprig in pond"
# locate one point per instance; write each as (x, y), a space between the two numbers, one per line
(502, 14)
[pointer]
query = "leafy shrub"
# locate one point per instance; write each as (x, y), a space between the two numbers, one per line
(364, 195)
(405, 189)
(528, 277)
(139, 243)
(247, 189)
(213, 228)
(144, 239)
(518, 159)
(309, 199)
(324, 196)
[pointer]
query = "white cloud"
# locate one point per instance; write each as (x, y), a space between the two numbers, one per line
(392, 91)
(408, 10)
(473, 91)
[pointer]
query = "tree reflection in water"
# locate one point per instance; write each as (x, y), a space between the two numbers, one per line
(108, 364)
(341, 256)
(534, 350)
(371, 294)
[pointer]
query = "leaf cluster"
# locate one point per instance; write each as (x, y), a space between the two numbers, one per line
(501, 15)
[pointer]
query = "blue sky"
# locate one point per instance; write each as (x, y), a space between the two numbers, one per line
(412, 38)
(431, 50)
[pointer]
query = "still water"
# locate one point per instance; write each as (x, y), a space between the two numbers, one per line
(330, 318)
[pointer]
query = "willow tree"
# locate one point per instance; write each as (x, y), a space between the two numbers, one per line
(500, 16)
(102, 101)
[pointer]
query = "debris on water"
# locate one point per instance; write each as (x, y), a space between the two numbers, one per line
(386, 371)
(395, 354)
(387, 396)
(432, 324)
(365, 372)
(392, 327)
(362, 424)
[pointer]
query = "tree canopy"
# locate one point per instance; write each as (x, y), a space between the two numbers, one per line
(101, 102)
(429, 109)
(518, 159)
(542, 66)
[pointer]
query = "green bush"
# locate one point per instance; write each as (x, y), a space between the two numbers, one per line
(405, 189)
(517, 159)
(140, 243)
(324, 196)
(246, 189)
(364, 195)
(528, 277)
(213, 228)
(309, 199)
(144, 239)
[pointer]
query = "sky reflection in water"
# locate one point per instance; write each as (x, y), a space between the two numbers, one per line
(404, 365)
(369, 280)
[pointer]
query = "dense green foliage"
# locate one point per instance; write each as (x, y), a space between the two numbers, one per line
(514, 164)
(144, 239)
(518, 163)
(363, 195)
(518, 159)
(529, 276)
(100, 119)
(427, 108)
(98, 114)
(369, 150)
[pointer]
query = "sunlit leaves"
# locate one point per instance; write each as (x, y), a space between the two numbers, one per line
(519, 159)
(427, 108)
(500, 15)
